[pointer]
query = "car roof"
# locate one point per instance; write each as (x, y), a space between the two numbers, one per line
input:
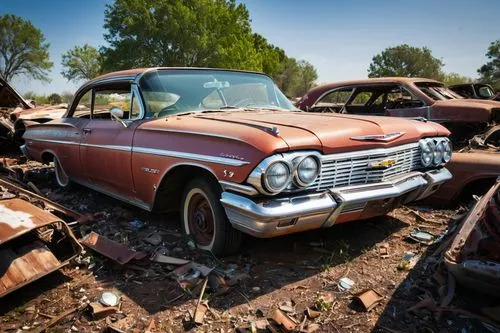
(138, 71)
(395, 79)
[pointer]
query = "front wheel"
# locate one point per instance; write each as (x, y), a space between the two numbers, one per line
(204, 218)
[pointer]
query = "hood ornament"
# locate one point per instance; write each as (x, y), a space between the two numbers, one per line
(379, 137)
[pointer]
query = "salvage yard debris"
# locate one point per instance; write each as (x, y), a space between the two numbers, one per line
(474, 256)
(33, 241)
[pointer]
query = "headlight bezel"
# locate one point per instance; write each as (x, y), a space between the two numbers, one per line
(437, 146)
(265, 174)
(258, 176)
(298, 181)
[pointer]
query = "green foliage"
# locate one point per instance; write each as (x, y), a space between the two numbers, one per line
(81, 63)
(66, 96)
(23, 49)
(454, 78)
(39, 99)
(54, 99)
(205, 33)
(490, 72)
(408, 61)
(212, 33)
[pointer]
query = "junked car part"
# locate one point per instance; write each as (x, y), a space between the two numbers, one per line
(474, 256)
(33, 243)
(405, 97)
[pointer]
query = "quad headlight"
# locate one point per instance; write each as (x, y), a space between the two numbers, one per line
(435, 151)
(291, 171)
(277, 176)
(306, 171)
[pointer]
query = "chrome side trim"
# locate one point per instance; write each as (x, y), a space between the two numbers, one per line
(235, 187)
(160, 152)
(189, 156)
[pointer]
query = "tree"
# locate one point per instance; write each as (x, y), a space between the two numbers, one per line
(454, 78)
(23, 49)
(55, 99)
(212, 33)
(307, 76)
(81, 63)
(490, 72)
(406, 60)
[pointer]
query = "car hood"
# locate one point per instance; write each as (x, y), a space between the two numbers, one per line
(472, 110)
(10, 98)
(41, 112)
(329, 133)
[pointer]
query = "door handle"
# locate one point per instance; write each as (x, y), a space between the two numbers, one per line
(86, 130)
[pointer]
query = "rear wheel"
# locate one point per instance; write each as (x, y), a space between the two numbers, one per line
(61, 176)
(204, 218)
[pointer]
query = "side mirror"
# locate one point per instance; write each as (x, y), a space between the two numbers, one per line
(117, 114)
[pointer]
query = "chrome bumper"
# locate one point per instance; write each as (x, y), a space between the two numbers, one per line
(279, 216)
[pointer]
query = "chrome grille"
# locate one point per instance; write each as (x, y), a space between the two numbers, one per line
(345, 169)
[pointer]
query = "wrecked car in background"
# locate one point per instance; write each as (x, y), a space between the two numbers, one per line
(405, 97)
(475, 169)
(16, 113)
(232, 153)
(475, 91)
(34, 241)
(474, 256)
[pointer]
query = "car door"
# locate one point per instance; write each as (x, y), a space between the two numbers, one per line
(106, 147)
(65, 134)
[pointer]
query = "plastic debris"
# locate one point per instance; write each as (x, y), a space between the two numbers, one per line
(408, 262)
(109, 298)
(345, 284)
(422, 237)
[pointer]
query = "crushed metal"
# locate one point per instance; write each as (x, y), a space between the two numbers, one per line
(33, 241)
(474, 255)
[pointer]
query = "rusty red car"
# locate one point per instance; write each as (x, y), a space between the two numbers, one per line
(230, 152)
(405, 97)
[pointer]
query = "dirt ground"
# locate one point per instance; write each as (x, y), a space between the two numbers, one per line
(292, 273)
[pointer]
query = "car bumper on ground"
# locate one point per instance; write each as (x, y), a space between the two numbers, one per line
(280, 216)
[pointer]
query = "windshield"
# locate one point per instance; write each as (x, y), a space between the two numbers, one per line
(175, 91)
(437, 91)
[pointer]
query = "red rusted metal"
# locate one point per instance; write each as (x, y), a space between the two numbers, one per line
(33, 243)
(474, 255)
(110, 249)
(453, 112)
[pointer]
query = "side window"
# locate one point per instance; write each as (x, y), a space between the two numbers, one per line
(104, 100)
(135, 111)
(362, 98)
(400, 98)
(336, 97)
(83, 108)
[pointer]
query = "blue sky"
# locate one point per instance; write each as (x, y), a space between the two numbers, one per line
(339, 37)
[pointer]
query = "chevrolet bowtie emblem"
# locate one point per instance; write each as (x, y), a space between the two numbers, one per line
(379, 137)
(384, 164)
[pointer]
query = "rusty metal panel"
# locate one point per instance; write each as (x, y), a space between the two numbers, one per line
(18, 217)
(111, 249)
(33, 243)
(474, 256)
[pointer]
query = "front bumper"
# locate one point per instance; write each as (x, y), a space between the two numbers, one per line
(279, 216)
